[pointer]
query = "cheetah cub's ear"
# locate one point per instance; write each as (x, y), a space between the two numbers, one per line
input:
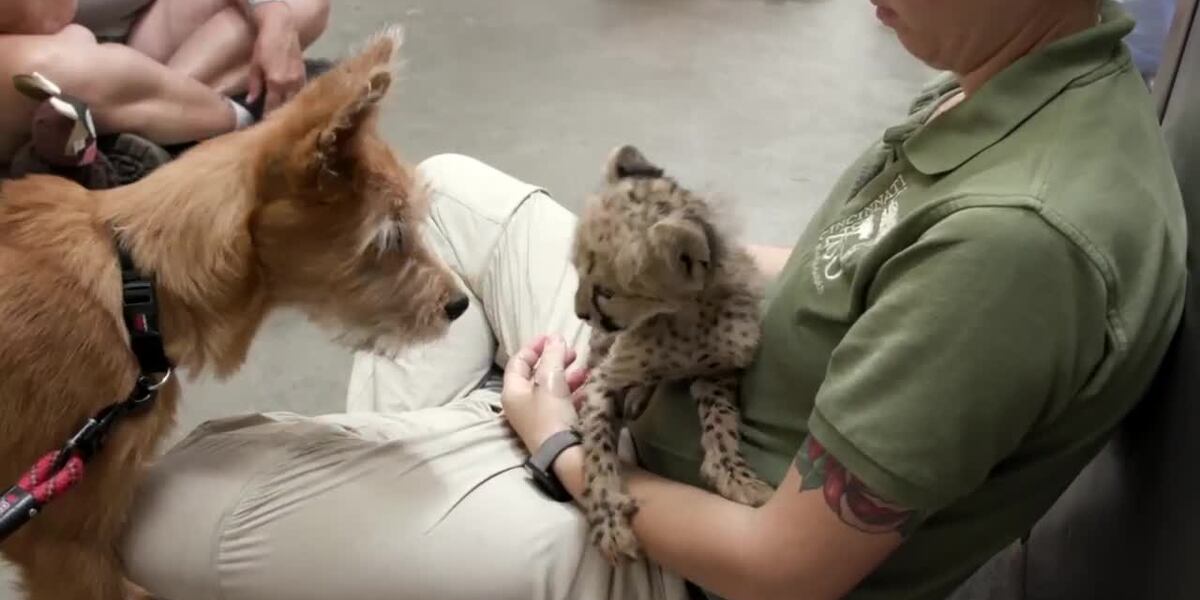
(681, 247)
(627, 161)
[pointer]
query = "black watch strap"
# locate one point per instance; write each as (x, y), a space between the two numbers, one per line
(541, 464)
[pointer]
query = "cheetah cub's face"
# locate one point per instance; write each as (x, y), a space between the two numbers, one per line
(643, 246)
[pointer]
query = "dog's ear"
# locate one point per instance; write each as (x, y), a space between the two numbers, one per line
(369, 76)
(627, 161)
(683, 250)
(334, 108)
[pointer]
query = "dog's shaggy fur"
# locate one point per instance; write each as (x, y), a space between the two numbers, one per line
(308, 209)
(670, 297)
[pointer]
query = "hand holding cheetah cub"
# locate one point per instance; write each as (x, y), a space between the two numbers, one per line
(668, 298)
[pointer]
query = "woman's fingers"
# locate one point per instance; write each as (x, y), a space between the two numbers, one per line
(551, 369)
(521, 365)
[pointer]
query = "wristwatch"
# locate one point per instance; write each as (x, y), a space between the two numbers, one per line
(541, 464)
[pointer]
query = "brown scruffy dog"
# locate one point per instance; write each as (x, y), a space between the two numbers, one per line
(670, 297)
(309, 209)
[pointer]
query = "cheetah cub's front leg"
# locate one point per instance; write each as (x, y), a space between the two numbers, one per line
(724, 467)
(609, 509)
(635, 397)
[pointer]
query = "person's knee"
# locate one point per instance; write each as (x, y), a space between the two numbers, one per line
(473, 183)
(447, 165)
(449, 175)
(312, 19)
(49, 53)
(77, 37)
(107, 76)
(82, 67)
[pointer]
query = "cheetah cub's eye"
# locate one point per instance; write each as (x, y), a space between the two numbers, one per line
(603, 292)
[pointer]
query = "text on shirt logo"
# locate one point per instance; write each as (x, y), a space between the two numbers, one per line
(841, 242)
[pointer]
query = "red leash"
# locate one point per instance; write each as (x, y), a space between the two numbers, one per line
(58, 471)
(44, 483)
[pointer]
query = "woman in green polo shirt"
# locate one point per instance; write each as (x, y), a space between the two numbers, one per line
(925, 388)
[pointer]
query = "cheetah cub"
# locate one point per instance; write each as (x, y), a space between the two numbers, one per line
(668, 297)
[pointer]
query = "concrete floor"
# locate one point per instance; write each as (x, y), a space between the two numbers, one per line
(760, 101)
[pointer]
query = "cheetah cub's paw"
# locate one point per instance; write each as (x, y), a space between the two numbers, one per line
(736, 482)
(612, 531)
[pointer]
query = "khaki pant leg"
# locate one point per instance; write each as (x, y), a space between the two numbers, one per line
(426, 504)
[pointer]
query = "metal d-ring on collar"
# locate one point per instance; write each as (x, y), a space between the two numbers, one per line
(87, 440)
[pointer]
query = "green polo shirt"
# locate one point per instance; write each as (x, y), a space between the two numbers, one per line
(980, 300)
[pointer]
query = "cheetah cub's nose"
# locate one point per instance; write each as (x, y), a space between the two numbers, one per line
(456, 307)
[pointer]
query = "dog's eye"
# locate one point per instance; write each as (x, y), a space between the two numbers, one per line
(603, 292)
(398, 238)
(390, 237)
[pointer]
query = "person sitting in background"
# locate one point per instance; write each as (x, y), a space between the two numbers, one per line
(164, 70)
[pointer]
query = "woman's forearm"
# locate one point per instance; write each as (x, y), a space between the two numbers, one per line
(689, 531)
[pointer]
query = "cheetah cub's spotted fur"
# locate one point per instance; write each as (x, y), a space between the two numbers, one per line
(669, 297)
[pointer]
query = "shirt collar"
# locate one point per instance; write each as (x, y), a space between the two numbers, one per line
(1008, 99)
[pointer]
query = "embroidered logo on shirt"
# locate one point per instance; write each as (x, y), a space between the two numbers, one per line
(841, 242)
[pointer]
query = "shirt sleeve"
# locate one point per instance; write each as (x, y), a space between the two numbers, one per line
(968, 337)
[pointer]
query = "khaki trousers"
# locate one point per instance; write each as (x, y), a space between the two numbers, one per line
(417, 491)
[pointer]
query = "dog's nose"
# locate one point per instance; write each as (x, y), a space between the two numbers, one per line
(583, 316)
(456, 307)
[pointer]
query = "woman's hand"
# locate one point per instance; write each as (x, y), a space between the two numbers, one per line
(277, 66)
(538, 390)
